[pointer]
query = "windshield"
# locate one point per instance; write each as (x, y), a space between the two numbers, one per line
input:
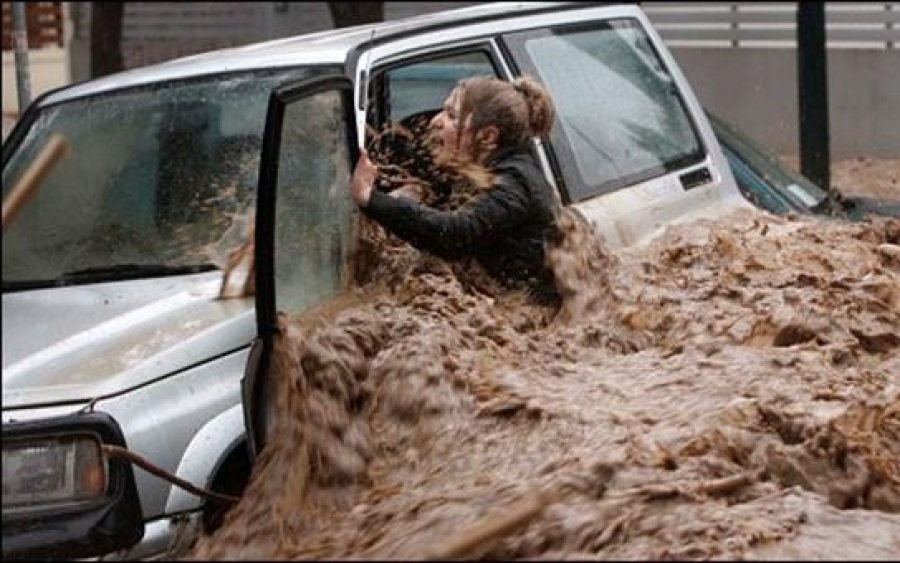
(160, 179)
(789, 184)
(620, 118)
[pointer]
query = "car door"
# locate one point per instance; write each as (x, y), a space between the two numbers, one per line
(410, 85)
(304, 222)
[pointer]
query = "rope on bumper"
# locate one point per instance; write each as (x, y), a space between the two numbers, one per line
(122, 453)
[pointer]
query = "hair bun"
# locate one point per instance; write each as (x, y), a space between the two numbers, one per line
(540, 108)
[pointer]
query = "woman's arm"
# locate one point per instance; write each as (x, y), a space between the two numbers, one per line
(453, 234)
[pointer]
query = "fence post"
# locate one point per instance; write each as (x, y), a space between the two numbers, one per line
(20, 40)
(889, 25)
(735, 26)
(812, 82)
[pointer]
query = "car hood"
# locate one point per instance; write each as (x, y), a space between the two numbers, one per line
(72, 344)
(872, 206)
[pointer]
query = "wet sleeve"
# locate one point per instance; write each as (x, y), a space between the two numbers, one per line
(453, 234)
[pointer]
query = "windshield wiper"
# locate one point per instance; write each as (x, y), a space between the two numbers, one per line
(119, 272)
(132, 271)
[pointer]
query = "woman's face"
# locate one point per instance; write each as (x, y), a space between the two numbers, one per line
(445, 127)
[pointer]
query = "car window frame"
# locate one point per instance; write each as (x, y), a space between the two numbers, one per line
(379, 71)
(505, 68)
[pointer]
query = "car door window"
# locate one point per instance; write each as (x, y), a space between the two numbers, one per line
(411, 89)
(313, 210)
(304, 220)
(620, 118)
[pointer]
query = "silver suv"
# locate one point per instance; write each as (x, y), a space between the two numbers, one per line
(114, 333)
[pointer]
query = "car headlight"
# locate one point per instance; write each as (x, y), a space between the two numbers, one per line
(53, 471)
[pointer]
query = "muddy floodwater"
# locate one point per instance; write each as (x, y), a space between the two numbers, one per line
(729, 390)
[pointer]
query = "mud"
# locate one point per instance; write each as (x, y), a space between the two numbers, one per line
(730, 390)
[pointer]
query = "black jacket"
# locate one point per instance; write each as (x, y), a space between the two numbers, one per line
(505, 228)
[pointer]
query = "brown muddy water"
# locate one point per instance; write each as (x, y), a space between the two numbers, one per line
(729, 390)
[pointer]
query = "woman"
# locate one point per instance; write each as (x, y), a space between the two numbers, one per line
(486, 122)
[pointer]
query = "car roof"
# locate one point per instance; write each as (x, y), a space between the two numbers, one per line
(325, 47)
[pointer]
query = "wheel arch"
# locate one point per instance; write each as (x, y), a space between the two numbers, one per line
(206, 456)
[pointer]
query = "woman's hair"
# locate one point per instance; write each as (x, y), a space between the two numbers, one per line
(520, 109)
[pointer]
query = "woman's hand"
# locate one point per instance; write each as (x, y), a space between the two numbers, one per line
(414, 192)
(363, 179)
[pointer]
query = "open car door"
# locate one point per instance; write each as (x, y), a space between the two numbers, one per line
(304, 228)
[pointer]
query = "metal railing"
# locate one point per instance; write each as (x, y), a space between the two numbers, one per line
(849, 25)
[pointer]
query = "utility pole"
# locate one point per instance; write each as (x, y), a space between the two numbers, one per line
(812, 81)
(20, 40)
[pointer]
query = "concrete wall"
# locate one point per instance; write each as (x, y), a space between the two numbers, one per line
(757, 90)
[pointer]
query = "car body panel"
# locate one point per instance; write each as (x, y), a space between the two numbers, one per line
(186, 401)
(222, 433)
(114, 336)
(633, 216)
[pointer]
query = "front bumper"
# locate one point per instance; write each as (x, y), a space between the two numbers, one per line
(114, 524)
(165, 539)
